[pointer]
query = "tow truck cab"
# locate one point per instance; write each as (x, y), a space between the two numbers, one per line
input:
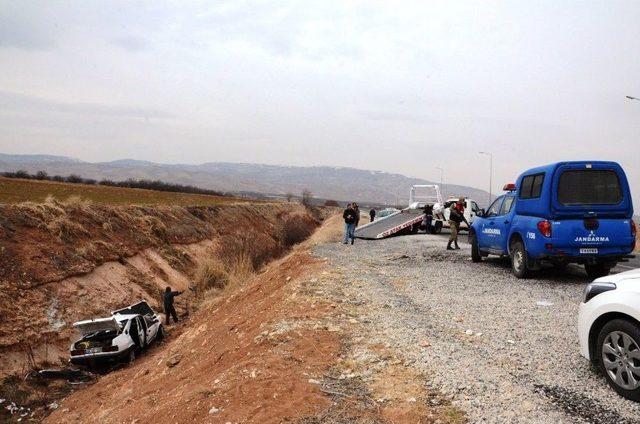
(567, 212)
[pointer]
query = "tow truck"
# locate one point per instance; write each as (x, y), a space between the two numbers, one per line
(410, 219)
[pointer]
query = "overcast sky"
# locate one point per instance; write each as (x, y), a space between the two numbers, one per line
(395, 86)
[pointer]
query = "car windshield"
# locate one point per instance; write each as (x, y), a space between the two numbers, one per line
(589, 187)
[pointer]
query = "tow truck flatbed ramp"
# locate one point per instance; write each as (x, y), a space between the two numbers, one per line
(390, 225)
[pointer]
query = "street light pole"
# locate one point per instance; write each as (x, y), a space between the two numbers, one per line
(490, 173)
(441, 175)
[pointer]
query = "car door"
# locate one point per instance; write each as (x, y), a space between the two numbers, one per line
(487, 235)
(503, 222)
(472, 209)
(142, 331)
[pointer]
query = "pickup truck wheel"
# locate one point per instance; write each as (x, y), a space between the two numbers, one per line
(519, 264)
(475, 249)
(618, 356)
(596, 270)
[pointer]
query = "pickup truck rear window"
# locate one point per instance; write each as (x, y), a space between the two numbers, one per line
(589, 187)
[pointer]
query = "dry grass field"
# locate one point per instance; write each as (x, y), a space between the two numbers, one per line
(17, 191)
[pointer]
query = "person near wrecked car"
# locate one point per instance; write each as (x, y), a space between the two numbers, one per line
(456, 216)
(372, 214)
(350, 218)
(169, 309)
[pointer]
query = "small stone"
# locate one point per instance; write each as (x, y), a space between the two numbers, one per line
(411, 400)
(288, 278)
(54, 405)
(313, 381)
(478, 334)
(425, 343)
(468, 332)
(214, 410)
(511, 342)
(174, 360)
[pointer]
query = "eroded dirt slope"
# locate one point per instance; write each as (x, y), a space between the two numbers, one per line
(289, 346)
(62, 262)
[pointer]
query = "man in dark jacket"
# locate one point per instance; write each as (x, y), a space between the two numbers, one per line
(427, 218)
(356, 209)
(372, 214)
(350, 219)
(169, 309)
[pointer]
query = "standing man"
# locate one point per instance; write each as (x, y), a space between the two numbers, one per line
(456, 216)
(350, 219)
(356, 208)
(169, 309)
(428, 218)
(372, 214)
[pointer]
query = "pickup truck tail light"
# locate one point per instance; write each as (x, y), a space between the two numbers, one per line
(545, 228)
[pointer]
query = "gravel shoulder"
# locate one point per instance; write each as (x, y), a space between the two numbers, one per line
(476, 333)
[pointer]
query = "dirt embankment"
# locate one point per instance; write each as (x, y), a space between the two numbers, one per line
(287, 346)
(62, 262)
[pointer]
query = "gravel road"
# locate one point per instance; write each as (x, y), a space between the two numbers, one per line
(477, 332)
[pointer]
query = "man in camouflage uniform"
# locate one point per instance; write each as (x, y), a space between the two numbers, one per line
(456, 216)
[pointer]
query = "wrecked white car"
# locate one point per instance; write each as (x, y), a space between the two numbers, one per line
(117, 338)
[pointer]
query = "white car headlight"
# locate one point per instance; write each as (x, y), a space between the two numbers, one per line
(595, 289)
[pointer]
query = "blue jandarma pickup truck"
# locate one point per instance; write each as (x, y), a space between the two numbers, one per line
(566, 212)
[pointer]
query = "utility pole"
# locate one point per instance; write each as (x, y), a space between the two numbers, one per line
(490, 173)
(441, 175)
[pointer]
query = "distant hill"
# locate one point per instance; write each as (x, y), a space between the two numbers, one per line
(338, 183)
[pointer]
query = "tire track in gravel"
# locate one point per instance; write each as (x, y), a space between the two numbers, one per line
(514, 370)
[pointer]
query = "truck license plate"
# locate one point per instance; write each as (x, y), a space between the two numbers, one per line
(94, 350)
(588, 251)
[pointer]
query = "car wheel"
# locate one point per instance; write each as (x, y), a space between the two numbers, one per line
(475, 249)
(597, 270)
(618, 355)
(519, 264)
(132, 355)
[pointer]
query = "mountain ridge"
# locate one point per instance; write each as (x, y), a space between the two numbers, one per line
(328, 182)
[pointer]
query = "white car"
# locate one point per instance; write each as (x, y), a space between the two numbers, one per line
(116, 338)
(609, 330)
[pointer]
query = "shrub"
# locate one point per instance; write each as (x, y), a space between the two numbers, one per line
(65, 229)
(307, 197)
(295, 229)
(210, 275)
